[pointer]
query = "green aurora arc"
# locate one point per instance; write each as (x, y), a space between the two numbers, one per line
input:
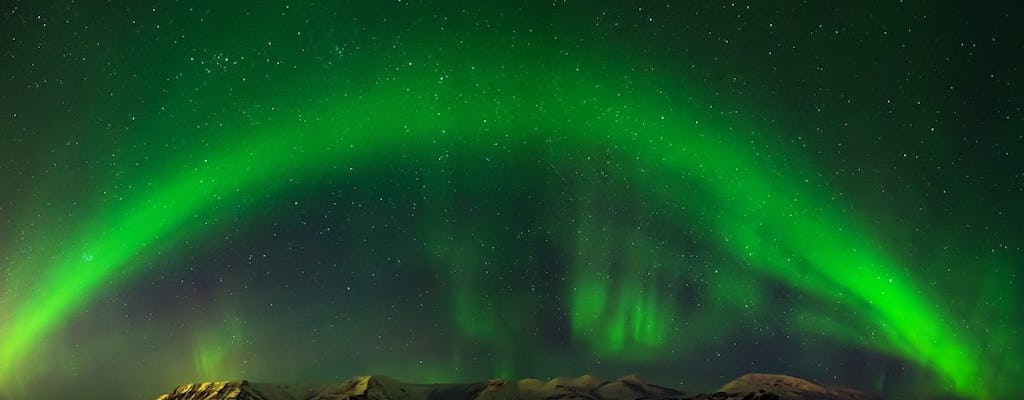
(762, 205)
(784, 228)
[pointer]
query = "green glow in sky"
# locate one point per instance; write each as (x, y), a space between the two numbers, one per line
(654, 177)
(783, 229)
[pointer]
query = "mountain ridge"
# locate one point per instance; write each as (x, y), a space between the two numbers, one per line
(585, 387)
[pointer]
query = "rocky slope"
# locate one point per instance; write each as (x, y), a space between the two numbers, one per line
(240, 390)
(586, 387)
(788, 387)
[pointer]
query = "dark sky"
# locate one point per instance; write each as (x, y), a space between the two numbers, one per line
(307, 191)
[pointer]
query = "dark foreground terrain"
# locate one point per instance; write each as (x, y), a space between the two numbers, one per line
(586, 387)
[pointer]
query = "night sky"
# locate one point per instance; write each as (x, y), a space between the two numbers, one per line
(296, 192)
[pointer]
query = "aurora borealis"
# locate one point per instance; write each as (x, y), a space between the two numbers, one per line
(305, 192)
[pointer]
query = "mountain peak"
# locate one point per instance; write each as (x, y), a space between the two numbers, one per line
(789, 387)
(225, 390)
(632, 378)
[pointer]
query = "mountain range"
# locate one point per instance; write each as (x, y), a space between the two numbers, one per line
(586, 387)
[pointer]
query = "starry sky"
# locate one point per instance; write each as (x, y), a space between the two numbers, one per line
(454, 191)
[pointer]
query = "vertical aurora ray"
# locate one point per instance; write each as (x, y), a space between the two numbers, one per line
(614, 298)
(217, 348)
(779, 226)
